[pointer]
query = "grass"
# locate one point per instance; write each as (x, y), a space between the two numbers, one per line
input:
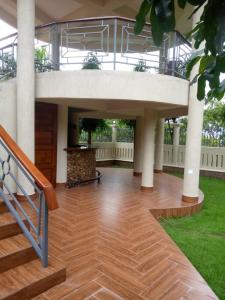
(202, 236)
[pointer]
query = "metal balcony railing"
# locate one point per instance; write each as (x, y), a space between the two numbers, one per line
(66, 45)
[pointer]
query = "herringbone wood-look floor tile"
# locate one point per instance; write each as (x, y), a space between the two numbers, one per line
(113, 247)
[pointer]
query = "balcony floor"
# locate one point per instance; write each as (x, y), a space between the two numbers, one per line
(114, 248)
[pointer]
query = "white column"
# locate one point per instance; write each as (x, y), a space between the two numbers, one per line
(138, 146)
(62, 135)
(148, 150)
(193, 143)
(176, 141)
(25, 82)
(159, 145)
(114, 133)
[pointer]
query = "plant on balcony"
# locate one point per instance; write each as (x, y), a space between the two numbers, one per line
(42, 61)
(141, 66)
(208, 31)
(91, 62)
(91, 125)
(7, 66)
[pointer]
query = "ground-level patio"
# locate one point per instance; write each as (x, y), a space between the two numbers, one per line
(114, 248)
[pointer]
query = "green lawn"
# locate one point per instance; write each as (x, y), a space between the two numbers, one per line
(202, 236)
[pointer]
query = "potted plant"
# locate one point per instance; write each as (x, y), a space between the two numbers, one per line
(141, 66)
(91, 62)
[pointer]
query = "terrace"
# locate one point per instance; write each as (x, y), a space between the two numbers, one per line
(104, 239)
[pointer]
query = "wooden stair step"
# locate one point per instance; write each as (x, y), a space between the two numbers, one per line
(3, 207)
(31, 279)
(9, 226)
(15, 251)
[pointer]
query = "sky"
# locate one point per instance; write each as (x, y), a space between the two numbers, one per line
(5, 29)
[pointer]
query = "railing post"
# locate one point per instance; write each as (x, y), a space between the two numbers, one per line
(55, 41)
(115, 43)
(45, 233)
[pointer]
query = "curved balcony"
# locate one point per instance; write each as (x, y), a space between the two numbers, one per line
(66, 45)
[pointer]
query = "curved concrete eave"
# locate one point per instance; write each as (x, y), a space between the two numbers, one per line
(112, 85)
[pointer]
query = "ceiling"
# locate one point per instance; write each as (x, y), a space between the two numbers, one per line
(61, 10)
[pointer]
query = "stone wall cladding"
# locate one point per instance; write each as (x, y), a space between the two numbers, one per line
(81, 165)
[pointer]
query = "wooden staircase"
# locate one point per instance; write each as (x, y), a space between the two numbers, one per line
(21, 273)
(24, 252)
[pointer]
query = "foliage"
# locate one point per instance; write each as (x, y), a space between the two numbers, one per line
(208, 31)
(7, 66)
(125, 134)
(126, 123)
(42, 62)
(100, 135)
(91, 62)
(214, 124)
(213, 133)
(90, 125)
(202, 236)
(141, 66)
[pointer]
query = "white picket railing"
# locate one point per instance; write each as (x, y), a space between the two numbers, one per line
(212, 158)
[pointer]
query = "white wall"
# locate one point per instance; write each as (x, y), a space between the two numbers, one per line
(95, 84)
(8, 118)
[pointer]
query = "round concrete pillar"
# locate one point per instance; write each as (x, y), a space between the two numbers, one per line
(62, 135)
(159, 146)
(194, 134)
(148, 150)
(138, 146)
(114, 133)
(25, 82)
(176, 141)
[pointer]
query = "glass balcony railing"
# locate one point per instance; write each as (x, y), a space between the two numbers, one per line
(108, 43)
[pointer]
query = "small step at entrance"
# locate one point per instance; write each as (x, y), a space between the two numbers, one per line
(15, 251)
(8, 226)
(31, 279)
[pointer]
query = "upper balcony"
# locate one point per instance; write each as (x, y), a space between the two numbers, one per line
(66, 45)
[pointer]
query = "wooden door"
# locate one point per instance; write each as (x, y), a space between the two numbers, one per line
(46, 139)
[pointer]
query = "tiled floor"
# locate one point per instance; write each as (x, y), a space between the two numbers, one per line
(113, 247)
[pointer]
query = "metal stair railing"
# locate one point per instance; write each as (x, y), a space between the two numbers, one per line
(33, 209)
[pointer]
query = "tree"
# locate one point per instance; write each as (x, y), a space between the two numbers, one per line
(127, 123)
(210, 31)
(214, 125)
(90, 125)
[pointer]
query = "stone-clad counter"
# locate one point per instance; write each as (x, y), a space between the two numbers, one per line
(81, 165)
